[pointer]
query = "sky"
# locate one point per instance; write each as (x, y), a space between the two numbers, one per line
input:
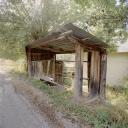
(123, 47)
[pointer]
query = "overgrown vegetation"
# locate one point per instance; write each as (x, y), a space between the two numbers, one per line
(22, 21)
(99, 117)
(119, 91)
(118, 96)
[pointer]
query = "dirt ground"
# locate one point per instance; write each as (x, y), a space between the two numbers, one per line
(15, 110)
(18, 106)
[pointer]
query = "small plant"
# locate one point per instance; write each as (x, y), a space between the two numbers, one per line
(102, 117)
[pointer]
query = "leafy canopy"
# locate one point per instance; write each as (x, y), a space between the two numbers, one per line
(22, 21)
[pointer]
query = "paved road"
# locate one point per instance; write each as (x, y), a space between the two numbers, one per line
(15, 110)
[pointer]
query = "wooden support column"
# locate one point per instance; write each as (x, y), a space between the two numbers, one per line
(53, 67)
(94, 74)
(89, 68)
(29, 63)
(103, 76)
(79, 57)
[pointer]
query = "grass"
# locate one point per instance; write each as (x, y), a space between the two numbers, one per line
(98, 117)
(119, 91)
(118, 96)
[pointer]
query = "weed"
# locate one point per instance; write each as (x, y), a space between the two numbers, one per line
(104, 117)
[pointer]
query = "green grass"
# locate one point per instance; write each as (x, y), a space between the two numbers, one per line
(119, 91)
(99, 117)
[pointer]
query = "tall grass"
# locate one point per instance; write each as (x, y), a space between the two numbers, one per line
(99, 117)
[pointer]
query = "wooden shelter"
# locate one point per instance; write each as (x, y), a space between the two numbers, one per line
(69, 39)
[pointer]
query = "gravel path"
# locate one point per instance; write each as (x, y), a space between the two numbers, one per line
(15, 110)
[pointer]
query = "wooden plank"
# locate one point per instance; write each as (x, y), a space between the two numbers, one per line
(82, 34)
(89, 68)
(51, 49)
(79, 56)
(53, 67)
(58, 70)
(41, 43)
(85, 78)
(103, 75)
(48, 67)
(29, 63)
(66, 33)
(94, 74)
(49, 80)
(86, 45)
(70, 61)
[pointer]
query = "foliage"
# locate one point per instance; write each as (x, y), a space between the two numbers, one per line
(99, 117)
(23, 21)
(119, 91)
(105, 19)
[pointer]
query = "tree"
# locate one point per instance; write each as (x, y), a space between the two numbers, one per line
(24, 21)
(106, 19)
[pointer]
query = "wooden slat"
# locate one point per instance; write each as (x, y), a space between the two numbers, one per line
(85, 78)
(70, 61)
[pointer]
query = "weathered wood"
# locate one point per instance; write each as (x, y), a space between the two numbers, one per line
(29, 63)
(79, 57)
(70, 61)
(87, 45)
(85, 78)
(103, 76)
(70, 39)
(89, 68)
(48, 67)
(53, 66)
(94, 74)
(49, 80)
(40, 67)
(44, 43)
(58, 70)
(38, 56)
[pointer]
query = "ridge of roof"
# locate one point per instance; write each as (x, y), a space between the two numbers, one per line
(82, 34)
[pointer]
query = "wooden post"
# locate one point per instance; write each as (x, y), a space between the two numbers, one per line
(89, 68)
(94, 74)
(29, 63)
(79, 57)
(53, 68)
(48, 67)
(103, 76)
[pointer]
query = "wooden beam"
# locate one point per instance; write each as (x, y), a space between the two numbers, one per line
(29, 62)
(103, 76)
(71, 61)
(41, 43)
(94, 74)
(89, 68)
(66, 33)
(85, 78)
(86, 44)
(79, 56)
(49, 80)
